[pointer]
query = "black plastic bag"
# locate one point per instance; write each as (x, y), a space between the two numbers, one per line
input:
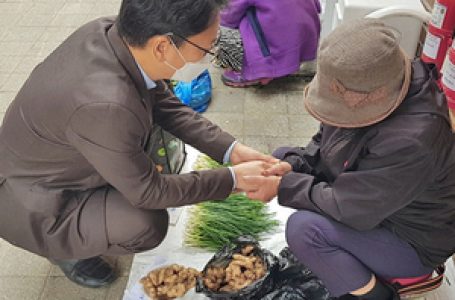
(285, 279)
(256, 290)
(294, 281)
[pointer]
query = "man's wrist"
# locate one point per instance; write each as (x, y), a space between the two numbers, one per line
(234, 180)
(228, 153)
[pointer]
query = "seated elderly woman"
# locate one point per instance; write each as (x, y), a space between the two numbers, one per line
(375, 188)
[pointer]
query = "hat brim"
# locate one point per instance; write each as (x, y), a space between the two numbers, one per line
(316, 100)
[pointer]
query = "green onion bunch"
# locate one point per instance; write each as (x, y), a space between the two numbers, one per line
(214, 224)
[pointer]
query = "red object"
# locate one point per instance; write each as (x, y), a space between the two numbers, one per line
(439, 35)
(443, 15)
(448, 78)
(409, 281)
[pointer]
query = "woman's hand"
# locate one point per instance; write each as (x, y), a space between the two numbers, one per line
(278, 169)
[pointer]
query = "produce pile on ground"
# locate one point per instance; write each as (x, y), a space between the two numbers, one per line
(214, 224)
(244, 269)
(169, 282)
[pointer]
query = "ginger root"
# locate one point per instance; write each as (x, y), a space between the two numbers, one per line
(243, 270)
(169, 282)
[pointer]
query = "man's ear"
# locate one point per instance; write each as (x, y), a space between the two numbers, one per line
(159, 46)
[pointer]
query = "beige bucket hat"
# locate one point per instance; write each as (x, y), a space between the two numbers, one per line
(362, 75)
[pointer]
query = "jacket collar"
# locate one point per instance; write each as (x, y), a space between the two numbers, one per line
(424, 95)
(126, 59)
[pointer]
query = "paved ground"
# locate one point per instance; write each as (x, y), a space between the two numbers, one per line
(29, 30)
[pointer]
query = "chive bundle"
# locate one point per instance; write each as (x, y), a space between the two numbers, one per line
(214, 224)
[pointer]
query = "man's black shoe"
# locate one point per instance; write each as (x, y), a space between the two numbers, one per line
(91, 272)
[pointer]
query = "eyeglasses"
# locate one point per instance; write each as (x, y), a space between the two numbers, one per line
(211, 51)
(215, 51)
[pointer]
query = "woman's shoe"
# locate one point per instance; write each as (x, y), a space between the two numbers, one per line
(235, 79)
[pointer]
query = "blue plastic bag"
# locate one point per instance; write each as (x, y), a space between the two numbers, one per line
(197, 93)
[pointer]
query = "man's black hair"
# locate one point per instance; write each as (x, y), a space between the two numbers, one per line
(139, 20)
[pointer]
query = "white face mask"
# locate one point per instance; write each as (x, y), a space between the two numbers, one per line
(190, 70)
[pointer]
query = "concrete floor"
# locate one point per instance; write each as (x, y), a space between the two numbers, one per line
(264, 118)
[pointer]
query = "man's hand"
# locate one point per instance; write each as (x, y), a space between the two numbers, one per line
(279, 169)
(241, 153)
(262, 188)
(252, 168)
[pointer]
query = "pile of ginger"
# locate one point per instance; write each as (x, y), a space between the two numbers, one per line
(243, 270)
(169, 282)
(174, 281)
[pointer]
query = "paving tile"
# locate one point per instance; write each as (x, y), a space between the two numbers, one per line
(32, 19)
(90, 1)
(9, 12)
(7, 20)
(14, 48)
(3, 248)
(106, 9)
(117, 289)
(3, 78)
(65, 20)
(123, 264)
(227, 101)
(230, 122)
(77, 8)
(5, 99)
(22, 34)
(21, 288)
(8, 63)
(14, 82)
(60, 288)
(3, 31)
(51, 7)
(56, 34)
(303, 126)
(266, 125)
(92, 17)
(294, 101)
(218, 85)
(18, 262)
(215, 71)
(51, 1)
(265, 104)
(27, 64)
(13, 8)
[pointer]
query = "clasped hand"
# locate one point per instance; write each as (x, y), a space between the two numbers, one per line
(260, 179)
(257, 174)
